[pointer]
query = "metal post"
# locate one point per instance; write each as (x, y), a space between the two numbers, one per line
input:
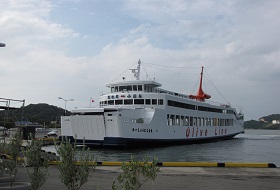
(65, 103)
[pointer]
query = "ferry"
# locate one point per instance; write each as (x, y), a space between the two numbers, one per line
(140, 113)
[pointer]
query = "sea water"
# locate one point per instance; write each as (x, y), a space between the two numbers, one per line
(252, 146)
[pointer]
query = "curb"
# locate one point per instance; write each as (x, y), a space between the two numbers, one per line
(188, 164)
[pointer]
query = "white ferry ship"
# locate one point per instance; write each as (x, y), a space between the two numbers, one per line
(140, 113)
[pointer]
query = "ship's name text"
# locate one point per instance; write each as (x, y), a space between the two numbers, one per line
(192, 132)
(196, 132)
(142, 130)
(220, 131)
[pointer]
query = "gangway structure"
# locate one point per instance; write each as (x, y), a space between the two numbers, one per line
(8, 104)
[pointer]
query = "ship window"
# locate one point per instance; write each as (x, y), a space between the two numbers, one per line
(128, 101)
(148, 88)
(111, 102)
(216, 122)
(168, 120)
(191, 121)
(187, 120)
(195, 121)
(140, 88)
(138, 101)
(172, 119)
(177, 120)
(103, 103)
(112, 89)
(118, 102)
(121, 88)
(160, 102)
(134, 88)
(202, 108)
(116, 88)
(148, 101)
(154, 101)
(129, 88)
(182, 121)
(125, 88)
(180, 105)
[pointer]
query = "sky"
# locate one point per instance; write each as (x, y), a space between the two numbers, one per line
(72, 48)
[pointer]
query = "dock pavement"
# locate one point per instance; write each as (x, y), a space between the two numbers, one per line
(194, 178)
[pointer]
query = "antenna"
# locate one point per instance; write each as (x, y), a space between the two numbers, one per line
(136, 72)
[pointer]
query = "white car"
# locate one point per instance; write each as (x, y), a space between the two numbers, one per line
(53, 133)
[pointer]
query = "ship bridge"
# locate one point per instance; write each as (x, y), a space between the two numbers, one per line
(133, 86)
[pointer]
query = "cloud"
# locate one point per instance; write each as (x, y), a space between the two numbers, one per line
(237, 42)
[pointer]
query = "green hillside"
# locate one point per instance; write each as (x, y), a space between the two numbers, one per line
(40, 113)
(263, 123)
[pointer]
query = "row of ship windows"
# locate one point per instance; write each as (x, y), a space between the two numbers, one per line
(133, 102)
(128, 88)
(197, 121)
(200, 108)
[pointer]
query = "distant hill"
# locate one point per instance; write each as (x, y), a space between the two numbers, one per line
(40, 113)
(263, 123)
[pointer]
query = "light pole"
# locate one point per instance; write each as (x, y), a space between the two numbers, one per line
(65, 103)
(2, 45)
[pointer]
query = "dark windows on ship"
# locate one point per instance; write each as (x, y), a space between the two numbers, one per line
(148, 88)
(132, 102)
(193, 107)
(154, 101)
(148, 101)
(111, 102)
(177, 120)
(118, 102)
(202, 108)
(126, 88)
(180, 105)
(128, 101)
(138, 101)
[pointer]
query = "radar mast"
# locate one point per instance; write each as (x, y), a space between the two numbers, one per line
(136, 72)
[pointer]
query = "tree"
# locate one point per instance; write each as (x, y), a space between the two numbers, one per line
(71, 175)
(13, 150)
(39, 161)
(136, 173)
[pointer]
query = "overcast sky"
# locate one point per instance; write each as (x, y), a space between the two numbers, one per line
(71, 48)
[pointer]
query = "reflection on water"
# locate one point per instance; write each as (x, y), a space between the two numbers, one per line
(253, 146)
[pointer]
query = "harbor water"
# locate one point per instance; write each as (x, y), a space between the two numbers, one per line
(252, 146)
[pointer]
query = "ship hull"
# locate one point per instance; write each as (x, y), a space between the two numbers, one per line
(123, 128)
(118, 142)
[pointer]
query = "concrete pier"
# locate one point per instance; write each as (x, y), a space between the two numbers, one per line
(210, 178)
